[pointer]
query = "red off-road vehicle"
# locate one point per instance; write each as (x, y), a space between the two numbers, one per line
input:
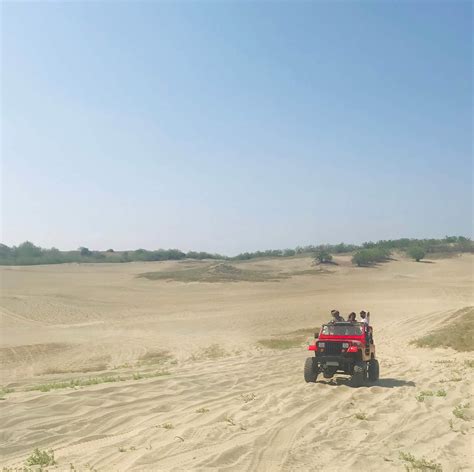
(343, 348)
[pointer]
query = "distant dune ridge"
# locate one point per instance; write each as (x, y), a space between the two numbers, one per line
(191, 365)
(367, 253)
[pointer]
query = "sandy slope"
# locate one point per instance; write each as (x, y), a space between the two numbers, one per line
(260, 415)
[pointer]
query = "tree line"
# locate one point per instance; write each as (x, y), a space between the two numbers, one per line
(366, 254)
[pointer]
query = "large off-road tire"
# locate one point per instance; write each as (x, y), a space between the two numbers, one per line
(310, 370)
(373, 370)
(358, 377)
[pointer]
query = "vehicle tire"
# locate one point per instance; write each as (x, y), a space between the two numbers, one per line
(358, 377)
(373, 370)
(310, 370)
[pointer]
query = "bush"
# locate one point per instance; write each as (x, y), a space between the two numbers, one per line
(417, 253)
(322, 256)
(84, 251)
(367, 257)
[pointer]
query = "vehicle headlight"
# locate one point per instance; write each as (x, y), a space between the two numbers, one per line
(345, 345)
(321, 344)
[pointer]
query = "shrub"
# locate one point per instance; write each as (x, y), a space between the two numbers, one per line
(41, 458)
(367, 257)
(417, 253)
(322, 256)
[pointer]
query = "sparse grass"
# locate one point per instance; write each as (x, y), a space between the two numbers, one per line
(458, 335)
(149, 375)
(214, 351)
(469, 363)
(441, 392)
(202, 410)
(424, 393)
(41, 458)
(280, 343)
(229, 420)
(461, 411)
(248, 397)
(76, 383)
(155, 357)
(4, 391)
(167, 426)
(221, 272)
(422, 464)
(82, 370)
(360, 415)
(452, 379)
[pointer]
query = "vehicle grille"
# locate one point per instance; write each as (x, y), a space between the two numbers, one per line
(333, 348)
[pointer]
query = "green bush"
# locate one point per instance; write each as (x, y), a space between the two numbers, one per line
(416, 252)
(322, 256)
(368, 257)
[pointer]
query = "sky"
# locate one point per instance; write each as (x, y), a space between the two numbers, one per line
(234, 126)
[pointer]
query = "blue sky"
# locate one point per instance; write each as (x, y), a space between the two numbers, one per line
(232, 126)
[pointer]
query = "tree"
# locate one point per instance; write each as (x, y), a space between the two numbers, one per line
(27, 250)
(85, 251)
(417, 253)
(322, 256)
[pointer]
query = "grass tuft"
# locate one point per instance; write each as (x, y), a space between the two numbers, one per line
(202, 410)
(360, 415)
(41, 458)
(422, 464)
(461, 411)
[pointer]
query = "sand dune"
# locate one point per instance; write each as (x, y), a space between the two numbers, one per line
(227, 404)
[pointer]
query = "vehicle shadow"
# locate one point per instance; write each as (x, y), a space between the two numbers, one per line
(384, 383)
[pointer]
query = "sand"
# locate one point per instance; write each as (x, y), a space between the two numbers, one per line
(226, 403)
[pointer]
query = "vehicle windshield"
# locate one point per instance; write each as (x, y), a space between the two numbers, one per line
(342, 330)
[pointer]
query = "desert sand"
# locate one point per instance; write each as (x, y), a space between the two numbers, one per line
(217, 399)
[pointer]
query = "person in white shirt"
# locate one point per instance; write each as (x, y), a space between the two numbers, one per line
(365, 317)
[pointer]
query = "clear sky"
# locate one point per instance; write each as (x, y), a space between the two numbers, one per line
(234, 126)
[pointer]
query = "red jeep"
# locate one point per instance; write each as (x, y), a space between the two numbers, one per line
(345, 348)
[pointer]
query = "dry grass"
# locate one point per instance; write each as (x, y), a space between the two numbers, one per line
(459, 334)
(281, 343)
(221, 272)
(214, 351)
(461, 411)
(424, 465)
(155, 357)
(76, 383)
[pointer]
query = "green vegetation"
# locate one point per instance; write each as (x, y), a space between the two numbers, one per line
(29, 254)
(416, 252)
(422, 464)
(202, 410)
(41, 458)
(322, 256)
(461, 411)
(360, 416)
(368, 257)
(47, 387)
(458, 334)
(222, 272)
(4, 391)
(429, 393)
